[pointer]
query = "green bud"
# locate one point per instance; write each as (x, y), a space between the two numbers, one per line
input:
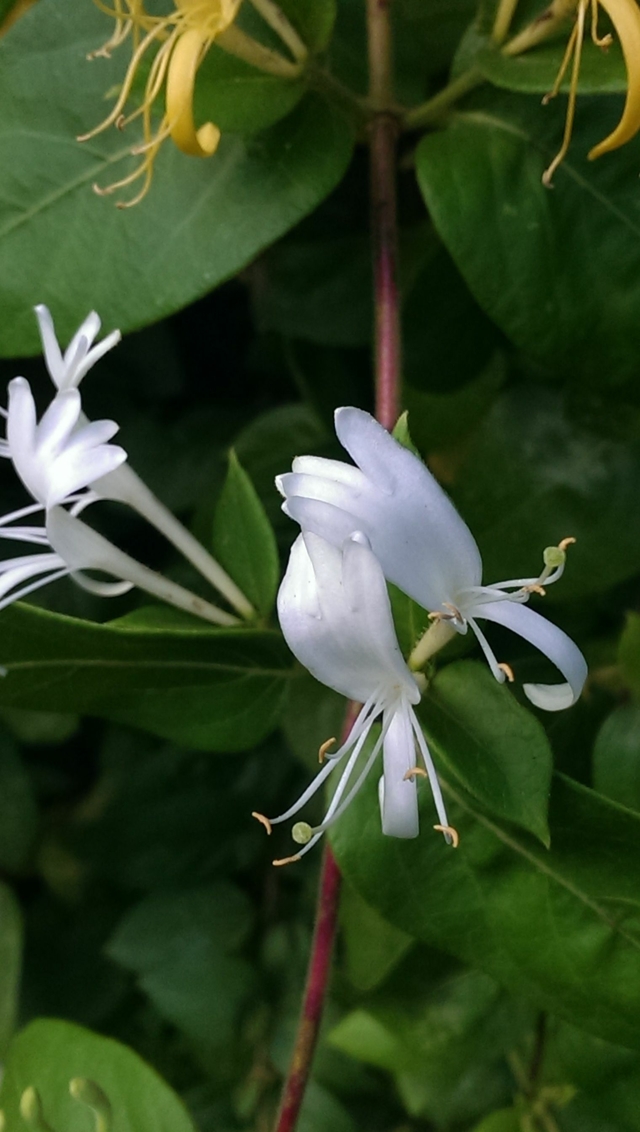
(554, 557)
(302, 833)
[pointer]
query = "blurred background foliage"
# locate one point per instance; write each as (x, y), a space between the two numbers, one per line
(494, 990)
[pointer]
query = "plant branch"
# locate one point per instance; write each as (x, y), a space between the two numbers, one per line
(317, 978)
(383, 133)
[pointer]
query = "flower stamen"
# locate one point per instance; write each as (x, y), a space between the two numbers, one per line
(415, 772)
(324, 748)
(451, 835)
(508, 671)
(286, 860)
(263, 821)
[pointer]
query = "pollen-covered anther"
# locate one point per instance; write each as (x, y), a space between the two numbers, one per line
(286, 860)
(535, 588)
(415, 772)
(263, 821)
(452, 837)
(565, 542)
(508, 671)
(324, 748)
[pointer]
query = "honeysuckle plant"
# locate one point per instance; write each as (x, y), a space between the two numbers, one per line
(326, 192)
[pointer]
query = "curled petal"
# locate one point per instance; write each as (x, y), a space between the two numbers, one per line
(57, 423)
(185, 60)
(625, 17)
(551, 641)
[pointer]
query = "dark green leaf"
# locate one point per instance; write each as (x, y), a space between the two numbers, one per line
(533, 476)
(10, 963)
(564, 264)
(244, 541)
(616, 756)
(211, 689)
(18, 809)
(559, 926)
(629, 653)
(213, 215)
(373, 946)
(496, 749)
(48, 1054)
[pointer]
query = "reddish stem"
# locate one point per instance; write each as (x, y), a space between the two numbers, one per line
(314, 993)
(383, 133)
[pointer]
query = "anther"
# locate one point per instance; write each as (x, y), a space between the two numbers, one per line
(451, 835)
(565, 542)
(263, 821)
(535, 588)
(508, 671)
(286, 860)
(324, 748)
(415, 772)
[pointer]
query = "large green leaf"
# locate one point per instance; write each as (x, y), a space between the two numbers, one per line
(202, 221)
(564, 282)
(209, 689)
(48, 1054)
(494, 747)
(560, 927)
(616, 756)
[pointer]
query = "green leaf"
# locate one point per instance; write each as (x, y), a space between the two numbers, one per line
(560, 927)
(243, 539)
(48, 1054)
(496, 749)
(10, 963)
(313, 713)
(18, 809)
(531, 476)
(373, 946)
(629, 652)
(440, 419)
(239, 98)
(210, 689)
(214, 215)
(314, 19)
(570, 256)
(178, 944)
(616, 757)
(504, 1120)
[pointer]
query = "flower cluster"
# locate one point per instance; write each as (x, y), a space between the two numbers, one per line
(386, 519)
(178, 43)
(67, 463)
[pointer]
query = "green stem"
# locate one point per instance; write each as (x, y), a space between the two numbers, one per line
(435, 638)
(502, 22)
(435, 108)
(238, 43)
(278, 22)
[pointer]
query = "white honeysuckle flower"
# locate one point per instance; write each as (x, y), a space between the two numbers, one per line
(121, 484)
(57, 457)
(69, 548)
(424, 547)
(67, 370)
(336, 617)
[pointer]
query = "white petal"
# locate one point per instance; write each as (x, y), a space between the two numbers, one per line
(399, 806)
(551, 641)
(81, 340)
(421, 542)
(21, 419)
(335, 615)
(336, 470)
(75, 470)
(57, 423)
(94, 355)
(92, 435)
(52, 352)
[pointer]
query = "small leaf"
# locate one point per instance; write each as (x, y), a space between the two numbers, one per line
(495, 748)
(48, 1054)
(243, 539)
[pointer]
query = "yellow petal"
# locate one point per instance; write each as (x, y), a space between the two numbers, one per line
(625, 17)
(185, 60)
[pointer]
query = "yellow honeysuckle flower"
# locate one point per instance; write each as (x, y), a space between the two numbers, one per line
(184, 37)
(625, 17)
